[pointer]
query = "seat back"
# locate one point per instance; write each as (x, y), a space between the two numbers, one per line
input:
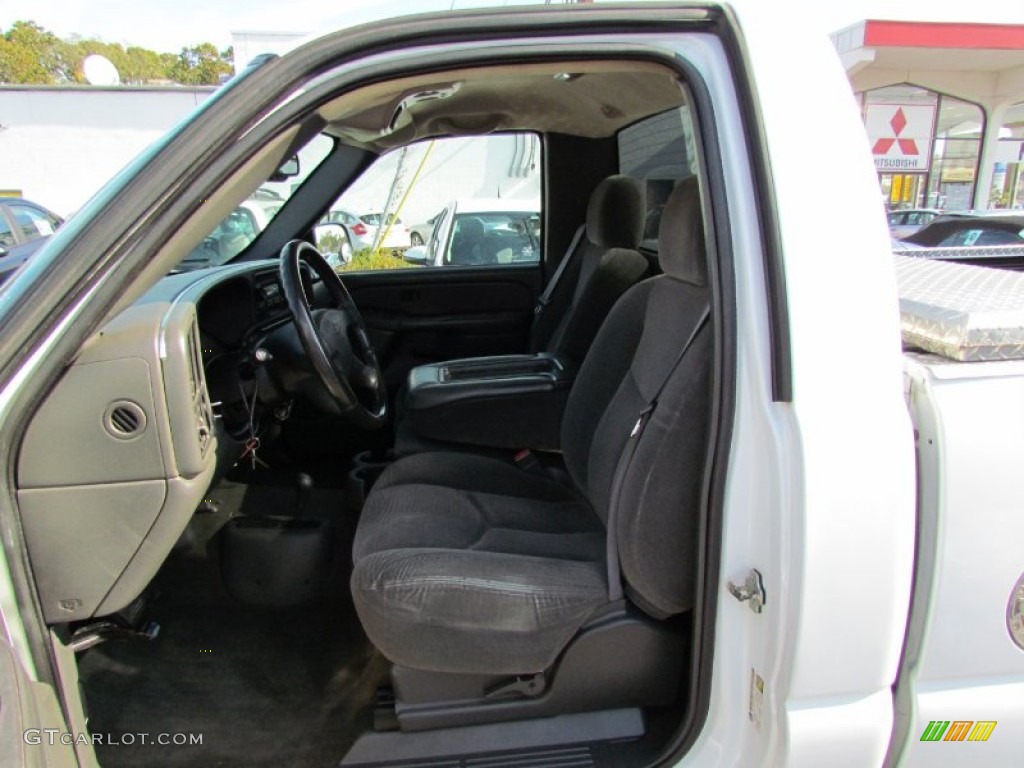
(467, 241)
(606, 263)
(634, 355)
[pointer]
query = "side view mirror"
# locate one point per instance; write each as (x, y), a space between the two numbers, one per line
(416, 255)
(332, 241)
(289, 169)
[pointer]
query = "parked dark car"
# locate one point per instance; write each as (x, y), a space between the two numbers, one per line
(24, 227)
(953, 230)
(907, 221)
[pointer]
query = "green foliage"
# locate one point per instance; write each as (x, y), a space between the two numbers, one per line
(199, 65)
(329, 242)
(366, 259)
(31, 55)
(141, 65)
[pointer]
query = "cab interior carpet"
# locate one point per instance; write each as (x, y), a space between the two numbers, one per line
(262, 686)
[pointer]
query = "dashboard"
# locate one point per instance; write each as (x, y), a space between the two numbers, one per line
(137, 430)
(234, 314)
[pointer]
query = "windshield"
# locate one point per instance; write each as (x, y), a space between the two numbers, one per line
(240, 227)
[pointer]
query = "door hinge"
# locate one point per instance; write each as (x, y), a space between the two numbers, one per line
(751, 591)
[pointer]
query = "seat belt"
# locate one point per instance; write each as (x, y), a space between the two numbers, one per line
(549, 289)
(626, 459)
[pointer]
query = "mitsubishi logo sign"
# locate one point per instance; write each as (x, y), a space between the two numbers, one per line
(900, 135)
(898, 123)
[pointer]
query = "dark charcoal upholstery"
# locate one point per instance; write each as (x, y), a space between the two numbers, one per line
(458, 548)
(615, 213)
(467, 564)
(607, 263)
(467, 242)
(681, 226)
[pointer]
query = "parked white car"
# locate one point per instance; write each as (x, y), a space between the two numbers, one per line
(420, 233)
(482, 231)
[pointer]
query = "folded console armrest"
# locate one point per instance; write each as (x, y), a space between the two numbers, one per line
(509, 401)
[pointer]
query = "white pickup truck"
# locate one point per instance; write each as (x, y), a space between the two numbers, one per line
(756, 527)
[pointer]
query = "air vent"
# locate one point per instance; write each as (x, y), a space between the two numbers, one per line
(125, 420)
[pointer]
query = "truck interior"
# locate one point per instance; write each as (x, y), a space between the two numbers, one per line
(415, 516)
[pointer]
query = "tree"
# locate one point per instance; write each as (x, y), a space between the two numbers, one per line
(200, 65)
(19, 65)
(142, 65)
(31, 55)
(76, 51)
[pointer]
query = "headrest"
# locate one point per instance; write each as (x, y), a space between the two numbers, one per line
(471, 228)
(615, 213)
(681, 235)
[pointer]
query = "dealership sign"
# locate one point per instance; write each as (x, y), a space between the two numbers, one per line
(900, 136)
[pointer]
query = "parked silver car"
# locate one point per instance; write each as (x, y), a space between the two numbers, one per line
(362, 228)
(907, 221)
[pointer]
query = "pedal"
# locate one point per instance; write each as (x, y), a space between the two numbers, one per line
(91, 635)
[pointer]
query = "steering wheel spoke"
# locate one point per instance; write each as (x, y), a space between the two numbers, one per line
(335, 339)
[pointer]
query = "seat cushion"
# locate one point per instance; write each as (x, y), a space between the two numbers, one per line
(468, 564)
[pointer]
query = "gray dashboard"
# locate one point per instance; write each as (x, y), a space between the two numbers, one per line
(124, 448)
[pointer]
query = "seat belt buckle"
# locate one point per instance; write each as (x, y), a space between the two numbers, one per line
(540, 305)
(527, 461)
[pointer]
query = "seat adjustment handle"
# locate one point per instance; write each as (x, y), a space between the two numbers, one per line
(527, 686)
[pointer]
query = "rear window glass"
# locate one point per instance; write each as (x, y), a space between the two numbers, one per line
(659, 151)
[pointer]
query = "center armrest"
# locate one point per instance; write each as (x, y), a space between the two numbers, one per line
(512, 401)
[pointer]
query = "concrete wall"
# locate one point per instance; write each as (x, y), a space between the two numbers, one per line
(59, 145)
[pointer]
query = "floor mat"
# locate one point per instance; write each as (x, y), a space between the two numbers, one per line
(259, 686)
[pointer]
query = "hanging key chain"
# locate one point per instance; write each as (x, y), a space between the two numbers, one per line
(250, 450)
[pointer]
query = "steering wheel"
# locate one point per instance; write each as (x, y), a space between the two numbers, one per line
(335, 340)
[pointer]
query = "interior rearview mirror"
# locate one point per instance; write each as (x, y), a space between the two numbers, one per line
(289, 169)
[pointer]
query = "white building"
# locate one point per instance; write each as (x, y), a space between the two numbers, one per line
(58, 145)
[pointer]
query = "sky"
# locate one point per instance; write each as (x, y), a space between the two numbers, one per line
(167, 26)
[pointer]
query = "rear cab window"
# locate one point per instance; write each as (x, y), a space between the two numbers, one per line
(659, 152)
